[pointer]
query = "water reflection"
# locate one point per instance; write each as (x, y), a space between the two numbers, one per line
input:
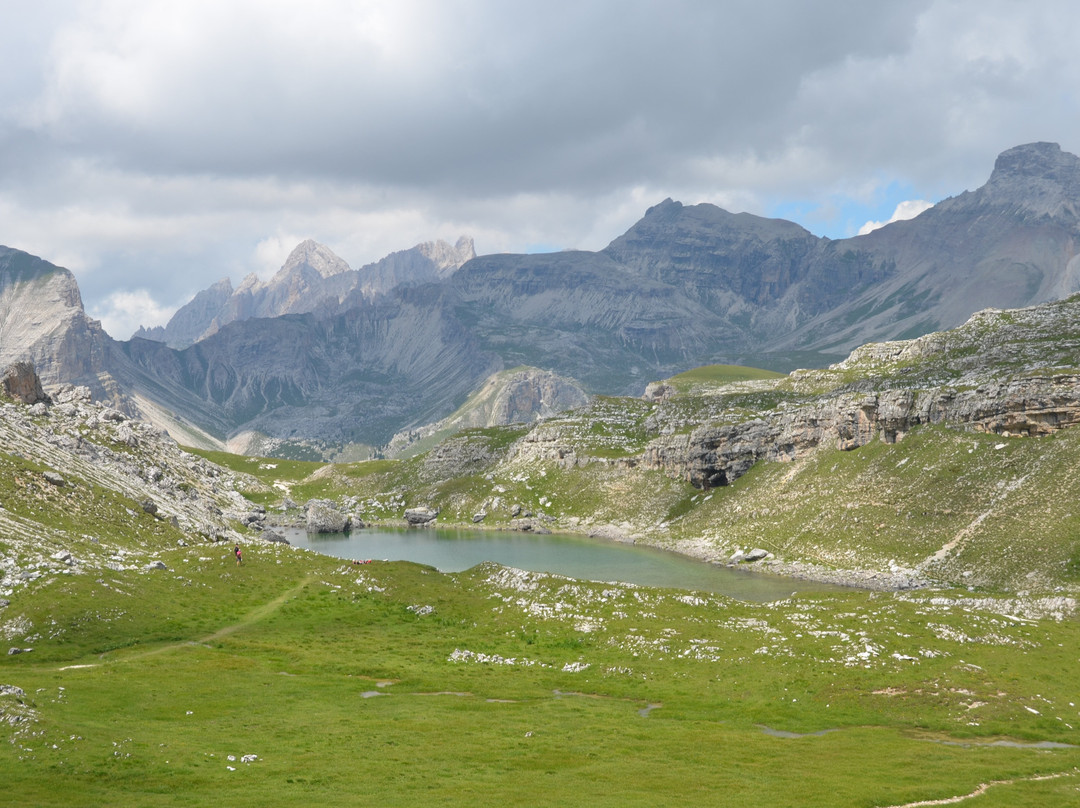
(573, 556)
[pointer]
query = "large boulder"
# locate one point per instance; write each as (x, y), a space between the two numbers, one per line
(420, 516)
(323, 516)
(21, 383)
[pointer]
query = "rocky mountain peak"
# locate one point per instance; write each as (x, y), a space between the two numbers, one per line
(317, 256)
(1044, 160)
(1037, 176)
(448, 259)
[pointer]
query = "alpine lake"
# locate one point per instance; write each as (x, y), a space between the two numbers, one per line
(578, 557)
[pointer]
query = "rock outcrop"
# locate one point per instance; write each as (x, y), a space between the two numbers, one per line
(21, 383)
(420, 516)
(518, 396)
(42, 321)
(1011, 373)
(711, 456)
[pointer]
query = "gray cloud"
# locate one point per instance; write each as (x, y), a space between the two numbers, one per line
(160, 146)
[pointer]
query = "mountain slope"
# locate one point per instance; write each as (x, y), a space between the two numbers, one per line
(354, 377)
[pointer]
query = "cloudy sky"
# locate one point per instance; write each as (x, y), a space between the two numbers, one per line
(156, 147)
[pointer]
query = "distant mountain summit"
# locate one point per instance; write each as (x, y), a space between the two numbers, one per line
(1040, 177)
(309, 254)
(312, 279)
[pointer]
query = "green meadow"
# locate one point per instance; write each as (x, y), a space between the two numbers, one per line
(297, 679)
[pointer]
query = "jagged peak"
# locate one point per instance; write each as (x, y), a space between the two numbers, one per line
(669, 205)
(251, 281)
(223, 286)
(445, 257)
(317, 256)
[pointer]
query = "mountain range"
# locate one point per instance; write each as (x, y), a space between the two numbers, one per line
(323, 357)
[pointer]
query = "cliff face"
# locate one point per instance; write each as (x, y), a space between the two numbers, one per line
(711, 456)
(42, 321)
(518, 396)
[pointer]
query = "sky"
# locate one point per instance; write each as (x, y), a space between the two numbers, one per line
(154, 148)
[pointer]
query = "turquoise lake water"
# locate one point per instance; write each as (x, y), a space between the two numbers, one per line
(573, 556)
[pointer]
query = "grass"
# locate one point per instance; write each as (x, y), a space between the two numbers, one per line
(721, 374)
(280, 658)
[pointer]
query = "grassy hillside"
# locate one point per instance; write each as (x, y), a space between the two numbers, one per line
(720, 374)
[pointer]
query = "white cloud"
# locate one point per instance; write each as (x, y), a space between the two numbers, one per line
(905, 210)
(164, 145)
(121, 313)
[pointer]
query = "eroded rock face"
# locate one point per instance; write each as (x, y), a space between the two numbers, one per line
(714, 455)
(21, 383)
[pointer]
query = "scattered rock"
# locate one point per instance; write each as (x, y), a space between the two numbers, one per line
(14, 651)
(480, 516)
(272, 536)
(149, 506)
(52, 478)
(156, 565)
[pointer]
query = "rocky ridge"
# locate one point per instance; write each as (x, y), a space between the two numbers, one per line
(1011, 373)
(686, 286)
(312, 279)
(42, 321)
(518, 396)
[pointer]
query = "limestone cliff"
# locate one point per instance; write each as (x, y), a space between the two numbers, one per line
(42, 321)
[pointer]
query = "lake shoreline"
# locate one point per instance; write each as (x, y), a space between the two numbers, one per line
(874, 580)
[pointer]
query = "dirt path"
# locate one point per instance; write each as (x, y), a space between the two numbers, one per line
(983, 788)
(254, 616)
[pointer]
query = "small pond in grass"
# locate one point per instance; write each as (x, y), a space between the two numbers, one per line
(572, 556)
